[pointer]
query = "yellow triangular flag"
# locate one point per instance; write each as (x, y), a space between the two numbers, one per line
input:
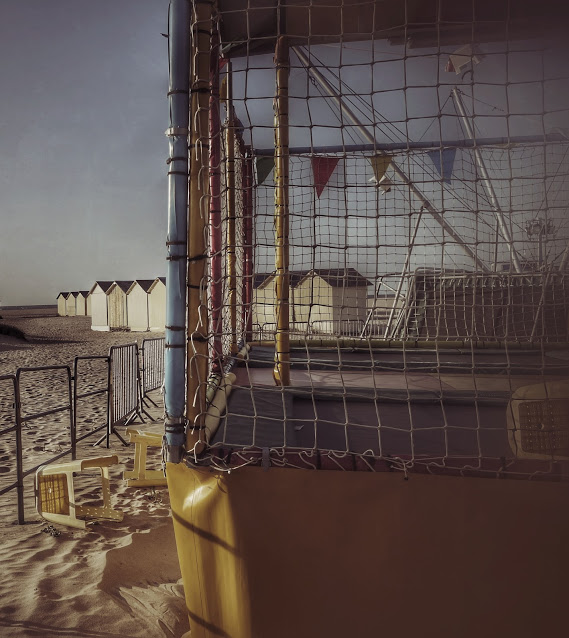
(379, 163)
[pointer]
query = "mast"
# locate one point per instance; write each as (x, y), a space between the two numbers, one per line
(486, 179)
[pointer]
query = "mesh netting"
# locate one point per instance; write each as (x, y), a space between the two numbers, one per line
(405, 276)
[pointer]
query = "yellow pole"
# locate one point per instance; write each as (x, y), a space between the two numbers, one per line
(231, 212)
(281, 371)
(197, 325)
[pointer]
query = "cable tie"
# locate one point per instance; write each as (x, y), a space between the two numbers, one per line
(176, 130)
(177, 91)
(176, 257)
(175, 159)
(175, 328)
(176, 243)
(185, 173)
(175, 345)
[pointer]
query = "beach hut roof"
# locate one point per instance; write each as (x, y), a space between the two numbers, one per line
(83, 292)
(156, 282)
(337, 277)
(103, 285)
(143, 283)
(123, 285)
(62, 294)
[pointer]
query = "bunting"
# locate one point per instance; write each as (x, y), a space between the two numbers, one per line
(322, 169)
(379, 164)
(264, 167)
(444, 162)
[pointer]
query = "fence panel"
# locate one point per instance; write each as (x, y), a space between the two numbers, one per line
(124, 387)
(11, 466)
(152, 364)
(45, 440)
(91, 392)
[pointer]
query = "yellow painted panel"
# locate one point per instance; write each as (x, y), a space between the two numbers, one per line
(302, 554)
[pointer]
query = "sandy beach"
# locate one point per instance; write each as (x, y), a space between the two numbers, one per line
(112, 579)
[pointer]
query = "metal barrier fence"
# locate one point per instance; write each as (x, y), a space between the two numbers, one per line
(124, 387)
(16, 429)
(152, 351)
(24, 418)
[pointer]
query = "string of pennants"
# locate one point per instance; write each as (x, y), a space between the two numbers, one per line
(324, 166)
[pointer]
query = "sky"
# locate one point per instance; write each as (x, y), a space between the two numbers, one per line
(83, 186)
(83, 111)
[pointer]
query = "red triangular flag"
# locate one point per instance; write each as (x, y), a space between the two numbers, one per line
(322, 169)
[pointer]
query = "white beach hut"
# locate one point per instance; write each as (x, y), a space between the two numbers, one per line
(70, 304)
(157, 304)
(137, 304)
(88, 303)
(81, 303)
(61, 302)
(117, 304)
(99, 310)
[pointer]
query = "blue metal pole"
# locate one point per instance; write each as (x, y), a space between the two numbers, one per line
(175, 342)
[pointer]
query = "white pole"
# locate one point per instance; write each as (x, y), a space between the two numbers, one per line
(486, 179)
(425, 203)
(405, 269)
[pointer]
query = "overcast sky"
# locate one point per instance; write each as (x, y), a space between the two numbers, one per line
(83, 111)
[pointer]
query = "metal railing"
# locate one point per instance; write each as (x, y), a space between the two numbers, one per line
(78, 395)
(152, 368)
(124, 387)
(121, 382)
(16, 429)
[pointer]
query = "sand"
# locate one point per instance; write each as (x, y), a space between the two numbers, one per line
(112, 579)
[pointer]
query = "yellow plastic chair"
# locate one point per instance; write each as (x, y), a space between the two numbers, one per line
(538, 421)
(55, 494)
(141, 476)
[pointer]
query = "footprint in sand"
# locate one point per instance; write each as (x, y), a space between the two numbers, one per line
(4, 469)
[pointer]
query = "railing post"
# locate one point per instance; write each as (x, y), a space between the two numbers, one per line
(281, 371)
(197, 320)
(19, 455)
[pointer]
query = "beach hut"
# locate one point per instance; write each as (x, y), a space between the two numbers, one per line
(326, 299)
(157, 304)
(81, 303)
(263, 300)
(137, 305)
(70, 304)
(61, 304)
(98, 302)
(88, 304)
(117, 304)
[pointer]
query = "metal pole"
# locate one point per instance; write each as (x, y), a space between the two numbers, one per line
(231, 209)
(405, 269)
(248, 246)
(19, 450)
(215, 237)
(197, 325)
(424, 202)
(176, 243)
(281, 371)
(564, 259)
(486, 179)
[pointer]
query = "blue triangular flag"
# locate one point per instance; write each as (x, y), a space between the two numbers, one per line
(445, 166)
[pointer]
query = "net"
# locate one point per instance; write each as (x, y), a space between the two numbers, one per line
(392, 246)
